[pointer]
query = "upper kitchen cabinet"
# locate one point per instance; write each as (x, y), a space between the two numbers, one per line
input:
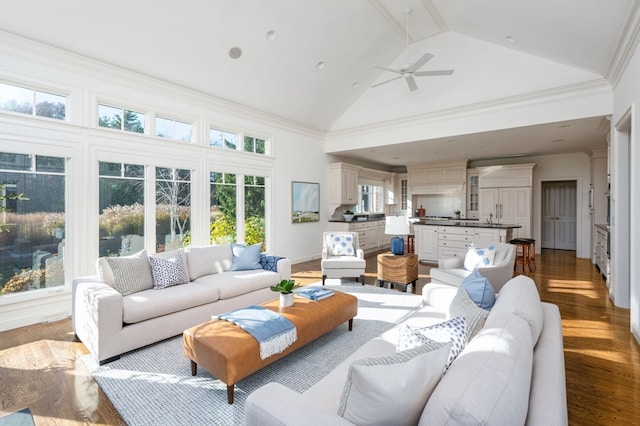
(440, 179)
(343, 185)
(506, 196)
(472, 194)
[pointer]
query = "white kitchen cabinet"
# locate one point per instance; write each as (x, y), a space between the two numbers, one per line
(484, 236)
(602, 260)
(384, 240)
(509, 206)
(454, 241)
(426, 242)
(343, 184)
(473, 199)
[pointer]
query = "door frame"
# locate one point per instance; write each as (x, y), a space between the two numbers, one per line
(582, 250)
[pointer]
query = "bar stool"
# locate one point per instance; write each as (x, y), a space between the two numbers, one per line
(410, 244)
(525, 253)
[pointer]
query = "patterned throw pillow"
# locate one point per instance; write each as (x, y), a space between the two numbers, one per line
(168, 272)
(453, 330)
(341, 245)
(463, 306)
(392, 390)
(131, 274)
(479, 257)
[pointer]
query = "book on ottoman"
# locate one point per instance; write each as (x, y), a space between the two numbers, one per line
(315, 293)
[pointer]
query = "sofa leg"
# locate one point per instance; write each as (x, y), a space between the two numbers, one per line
(324, 277)
(362, 279)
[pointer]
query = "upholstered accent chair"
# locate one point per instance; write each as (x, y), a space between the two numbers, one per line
(453, 270)
(342, 256)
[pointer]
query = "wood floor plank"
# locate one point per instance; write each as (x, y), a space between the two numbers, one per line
(40, 365)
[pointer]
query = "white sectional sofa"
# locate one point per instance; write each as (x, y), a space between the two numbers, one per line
(511, 373)
(119, 310)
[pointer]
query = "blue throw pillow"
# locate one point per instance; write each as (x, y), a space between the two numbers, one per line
(479, 289)
(245, 257)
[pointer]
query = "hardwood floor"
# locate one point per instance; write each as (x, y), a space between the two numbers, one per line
(40, 365)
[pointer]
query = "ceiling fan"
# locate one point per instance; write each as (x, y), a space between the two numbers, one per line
(409, 71)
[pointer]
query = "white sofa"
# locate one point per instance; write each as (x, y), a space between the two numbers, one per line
(511, 373)
(110, 323)
(453, 270)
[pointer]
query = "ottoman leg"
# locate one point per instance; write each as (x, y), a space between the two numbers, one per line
(230, 394)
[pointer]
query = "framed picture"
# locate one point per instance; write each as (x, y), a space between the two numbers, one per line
(305, 202)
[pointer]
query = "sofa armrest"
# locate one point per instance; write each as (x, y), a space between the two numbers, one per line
(265, 407)
(97, 314)
(284, 268)
(548, 397)
(325, 253)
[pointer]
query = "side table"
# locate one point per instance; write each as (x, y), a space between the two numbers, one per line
(400, 270)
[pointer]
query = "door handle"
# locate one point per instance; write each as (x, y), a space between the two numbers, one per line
(556, 218)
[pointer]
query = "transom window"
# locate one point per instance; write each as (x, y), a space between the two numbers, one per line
(173, 129)
(222, 139)
(120, 118)
(32, 102)
(255, 145)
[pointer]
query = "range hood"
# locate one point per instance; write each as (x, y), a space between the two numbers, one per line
(439, 189)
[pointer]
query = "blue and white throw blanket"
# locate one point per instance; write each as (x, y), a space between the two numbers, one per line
(273, 332)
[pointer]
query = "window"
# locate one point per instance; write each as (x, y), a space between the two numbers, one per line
(32, 232)
(254, 210)
(255, 145)
(403, 194)
(112, 117)
(222, 139)
(371, 200)
(173, 129)
(223, 208)
(32, 102)
(173, 208)
(121, 209)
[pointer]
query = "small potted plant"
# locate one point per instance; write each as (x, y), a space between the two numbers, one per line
(457, 213)
(348, 215)
(285, 288)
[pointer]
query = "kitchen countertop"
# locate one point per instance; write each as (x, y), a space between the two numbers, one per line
(356, 221)
(466, 224)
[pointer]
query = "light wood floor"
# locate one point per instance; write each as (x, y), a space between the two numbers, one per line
(40, 366)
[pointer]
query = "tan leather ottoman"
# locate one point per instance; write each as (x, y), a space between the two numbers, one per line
(231, 354)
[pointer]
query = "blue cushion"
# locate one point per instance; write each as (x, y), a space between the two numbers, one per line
(479, 289)
(245, 257)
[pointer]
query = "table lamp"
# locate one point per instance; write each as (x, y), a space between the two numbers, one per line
(398, 226)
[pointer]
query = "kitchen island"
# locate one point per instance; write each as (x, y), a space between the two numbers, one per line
(435, 239)
(370, 231)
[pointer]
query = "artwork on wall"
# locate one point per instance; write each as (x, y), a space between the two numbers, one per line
(305, 202)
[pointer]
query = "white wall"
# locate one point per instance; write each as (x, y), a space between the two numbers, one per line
(625, 175)
(297, 155)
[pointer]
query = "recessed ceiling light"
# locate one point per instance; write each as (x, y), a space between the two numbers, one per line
(320, 65)
(562, 126)
(557, 140)
(355, 85)
(235, 52)
(271, 35)
(511, 39)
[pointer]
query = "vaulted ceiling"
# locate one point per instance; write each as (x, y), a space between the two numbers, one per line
(310, 61)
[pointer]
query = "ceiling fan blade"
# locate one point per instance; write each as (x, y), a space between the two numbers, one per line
(436, 72)
(420, 62)
(386, 81)
(387, 69)
(412, 83)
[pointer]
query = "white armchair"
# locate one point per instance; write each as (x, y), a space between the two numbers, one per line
(453, 270)
(342, 256)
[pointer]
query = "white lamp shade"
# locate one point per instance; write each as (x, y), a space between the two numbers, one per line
(397, 225)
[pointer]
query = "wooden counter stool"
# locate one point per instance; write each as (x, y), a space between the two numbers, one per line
(522, 254)
(410, 244)
(531, 250)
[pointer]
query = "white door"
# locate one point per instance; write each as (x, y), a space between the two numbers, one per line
(559, 215)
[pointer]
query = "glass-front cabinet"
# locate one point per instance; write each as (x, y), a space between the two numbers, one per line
(472, 194)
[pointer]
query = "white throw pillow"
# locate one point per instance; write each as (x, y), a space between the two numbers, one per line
(208, 260)
(479, 257)
(392, 390)
(131, 274)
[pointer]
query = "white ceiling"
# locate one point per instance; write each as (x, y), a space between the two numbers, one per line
(188, 43)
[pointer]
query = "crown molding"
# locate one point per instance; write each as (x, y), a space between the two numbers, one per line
(626, 46)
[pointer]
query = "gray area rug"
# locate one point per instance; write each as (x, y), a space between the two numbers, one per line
(153, 385)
